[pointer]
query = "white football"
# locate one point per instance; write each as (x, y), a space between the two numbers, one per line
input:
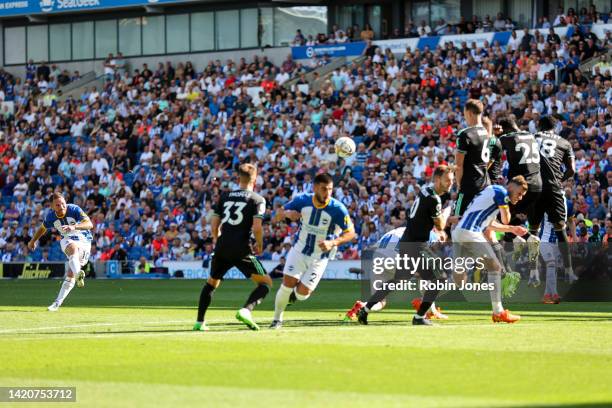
(345, 147)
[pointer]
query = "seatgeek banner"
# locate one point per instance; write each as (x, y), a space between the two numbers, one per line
(398, 46)
(9, 8)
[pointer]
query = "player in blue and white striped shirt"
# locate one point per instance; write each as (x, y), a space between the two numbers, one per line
(470, 241)
(73, 225)
(325, 225)
(550, 255)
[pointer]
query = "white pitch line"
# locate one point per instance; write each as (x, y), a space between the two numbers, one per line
(77, 326)
(243, 332)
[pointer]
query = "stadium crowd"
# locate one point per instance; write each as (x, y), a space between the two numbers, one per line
(148, 155)
(476, 24)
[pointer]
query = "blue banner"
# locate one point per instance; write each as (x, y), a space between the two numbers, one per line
(27, 7)
(333, 50)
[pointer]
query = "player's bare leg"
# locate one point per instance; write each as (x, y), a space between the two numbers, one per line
(74, 274)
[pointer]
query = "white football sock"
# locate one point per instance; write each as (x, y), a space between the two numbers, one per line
(67, 286)
(377, 307)
(495, 279)
(281, 301)
(74, 265)
(432, 308)
(551, 279)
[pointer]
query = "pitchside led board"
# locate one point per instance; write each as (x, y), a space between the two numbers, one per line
(32, 270)
(459, 269)
(27, 7)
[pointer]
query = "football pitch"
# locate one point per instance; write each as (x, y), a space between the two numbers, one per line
(129, 343)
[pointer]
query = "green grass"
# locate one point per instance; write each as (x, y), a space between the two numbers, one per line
(129, 344)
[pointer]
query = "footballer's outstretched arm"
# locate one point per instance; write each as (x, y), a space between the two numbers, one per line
(347, 236)
(517, 230)
(281, 214)
(37, 235)
(84, 225)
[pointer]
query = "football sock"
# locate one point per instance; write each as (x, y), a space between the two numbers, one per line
(499, 252)
(551, 279)
(495, 279)
(205, 298)
(378, 306)
(299, 296)
(67, 286)
(378, 296)
(257, 296)
(564, 249)
(423, 309)
(74, 265)
(280, 303)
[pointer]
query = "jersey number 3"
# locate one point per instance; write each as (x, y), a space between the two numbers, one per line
(232, 212)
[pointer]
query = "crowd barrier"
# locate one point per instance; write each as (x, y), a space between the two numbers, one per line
(399, 45)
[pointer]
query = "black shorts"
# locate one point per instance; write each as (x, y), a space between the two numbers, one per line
(415, 250)
(527, 205)
(551, 203)
(247, 264)
(464, 198)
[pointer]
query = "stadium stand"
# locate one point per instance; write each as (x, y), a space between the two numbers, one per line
(147, 154)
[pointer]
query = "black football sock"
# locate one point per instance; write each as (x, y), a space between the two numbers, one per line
(564, 248)
(378, 296)
(205, 298)
(257, 296)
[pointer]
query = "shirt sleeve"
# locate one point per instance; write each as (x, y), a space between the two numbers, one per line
(297, 203)
(77, 213)
(436, 207)
(260, 208)
(500, 196)
(343, 219)
(462, 142)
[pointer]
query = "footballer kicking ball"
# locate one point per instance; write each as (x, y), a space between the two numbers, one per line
(345, 147)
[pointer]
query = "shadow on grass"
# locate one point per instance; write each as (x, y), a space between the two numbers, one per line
(573, 404)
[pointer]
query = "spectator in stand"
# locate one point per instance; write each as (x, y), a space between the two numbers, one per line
(500, 23)
(367, 34)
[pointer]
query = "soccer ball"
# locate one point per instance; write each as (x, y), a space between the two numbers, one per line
(345, 147)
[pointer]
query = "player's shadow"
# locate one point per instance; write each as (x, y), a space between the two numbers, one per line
(551, 317)
(572, 404)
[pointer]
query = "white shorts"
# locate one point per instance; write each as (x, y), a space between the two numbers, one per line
(472, 244)
(83, 246)
(306, 269)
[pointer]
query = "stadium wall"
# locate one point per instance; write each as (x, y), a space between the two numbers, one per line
(276, 55)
